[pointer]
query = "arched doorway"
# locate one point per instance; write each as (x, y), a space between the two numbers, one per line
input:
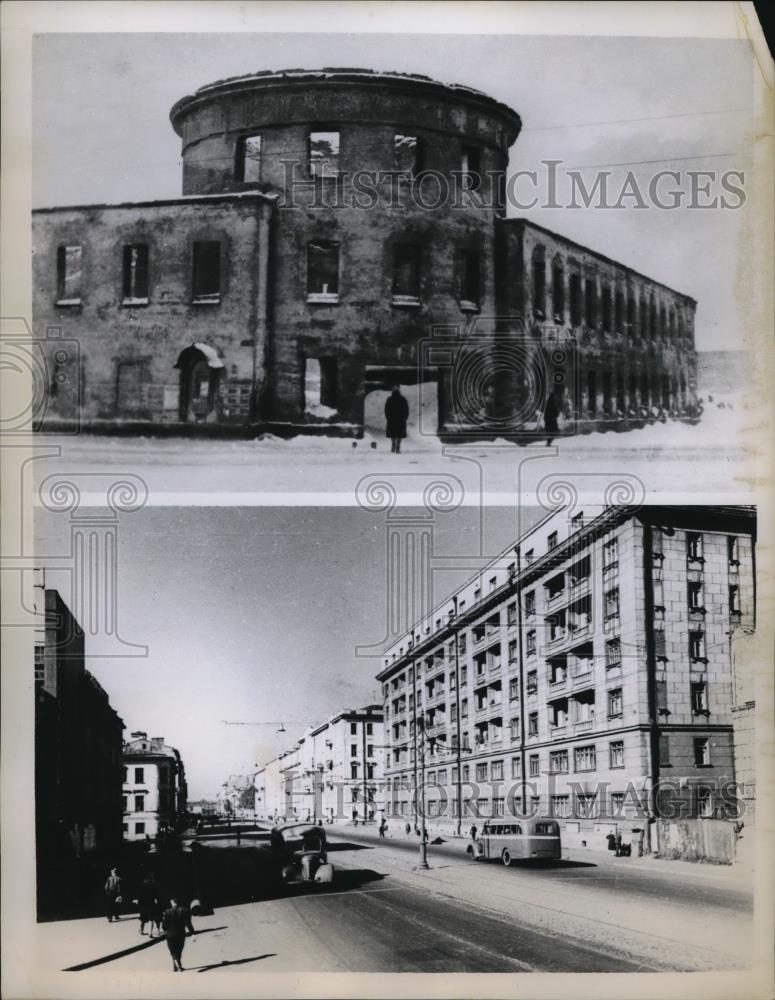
(200, 373)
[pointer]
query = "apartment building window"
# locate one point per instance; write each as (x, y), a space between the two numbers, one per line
(139, 776)
(699, 693)
(662, 708)
(126, 775)
(512, 652)
(532, 682)
(590, 299)
(702, 753)
(135, 273)
(139, 803)
(322, 272)
(511, 615)
(617, 804)
(206, 279)
(694, 547)
(369, 729)
(369, 750)
(407, 154)
(530, 642)
(613, 653)
(139, 828)
(323, 154)
(441, 777)
(354, 770)
(584, 758)
(481, 772)
(406, 277)
(610, 553)
(705, 803)
(482, 807)
(466, 772)
(514, 689)
(733, 550)
(464, 708)
(514, 729)
(469, 268)
(734, 599)
(529, 556)
(463, 675)
(530, 603)
(247, 162)
(470, 167)
(696, 596)
(577, 521)
(558, 762)
(496, 770)
(532, 724)
(612, 603)
(552, 541)
(69, 274)
(615, 703)
(585, 804)
(664, 750)
(354, 725)
(463, 643)
(697, 647)
(616, 753)
(516, 767)
(560, 806)
(498, 807)
(534, 765)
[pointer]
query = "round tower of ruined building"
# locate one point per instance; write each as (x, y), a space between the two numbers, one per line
(399, 175)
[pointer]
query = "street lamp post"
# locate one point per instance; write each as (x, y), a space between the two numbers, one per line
(423, 828)
(457, 717)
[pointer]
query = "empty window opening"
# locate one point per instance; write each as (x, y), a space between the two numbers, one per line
(324, 154)
(247, 167)
(135, 273)
(69, 271)
(322, 272)
(320, 386)
(207, 271)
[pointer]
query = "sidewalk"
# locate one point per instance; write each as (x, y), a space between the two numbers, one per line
(739, 875)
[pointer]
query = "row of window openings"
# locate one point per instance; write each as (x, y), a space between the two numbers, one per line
(579, 575)
(584, 759)
(205, 276)
(324, 157)
(607, 311)
(323, 269)
(585, 805)
(581, 664)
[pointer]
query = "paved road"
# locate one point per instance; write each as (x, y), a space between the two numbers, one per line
(383, 914)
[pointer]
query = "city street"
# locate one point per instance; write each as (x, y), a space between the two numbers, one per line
(587, 913)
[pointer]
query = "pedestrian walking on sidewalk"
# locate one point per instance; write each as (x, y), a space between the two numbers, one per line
(176, 921)
(113, 897)
(382, 828)
(396, 415)
(148, 903)
(473, 832)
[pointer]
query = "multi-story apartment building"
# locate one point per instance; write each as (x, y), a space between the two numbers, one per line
(328, 220)
(154, 789)
(334, 773)
(78, 739)
(578, 672)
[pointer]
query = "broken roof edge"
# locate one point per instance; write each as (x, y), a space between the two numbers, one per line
(340, 75)
(185, 199)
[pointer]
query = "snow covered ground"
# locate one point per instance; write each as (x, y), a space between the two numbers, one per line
(715, 459)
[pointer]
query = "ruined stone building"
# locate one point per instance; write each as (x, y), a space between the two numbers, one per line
(340, 231)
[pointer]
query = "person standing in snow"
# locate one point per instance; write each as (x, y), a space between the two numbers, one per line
(396, 415)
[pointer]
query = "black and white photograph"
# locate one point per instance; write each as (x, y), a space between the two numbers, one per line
(386, 401)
